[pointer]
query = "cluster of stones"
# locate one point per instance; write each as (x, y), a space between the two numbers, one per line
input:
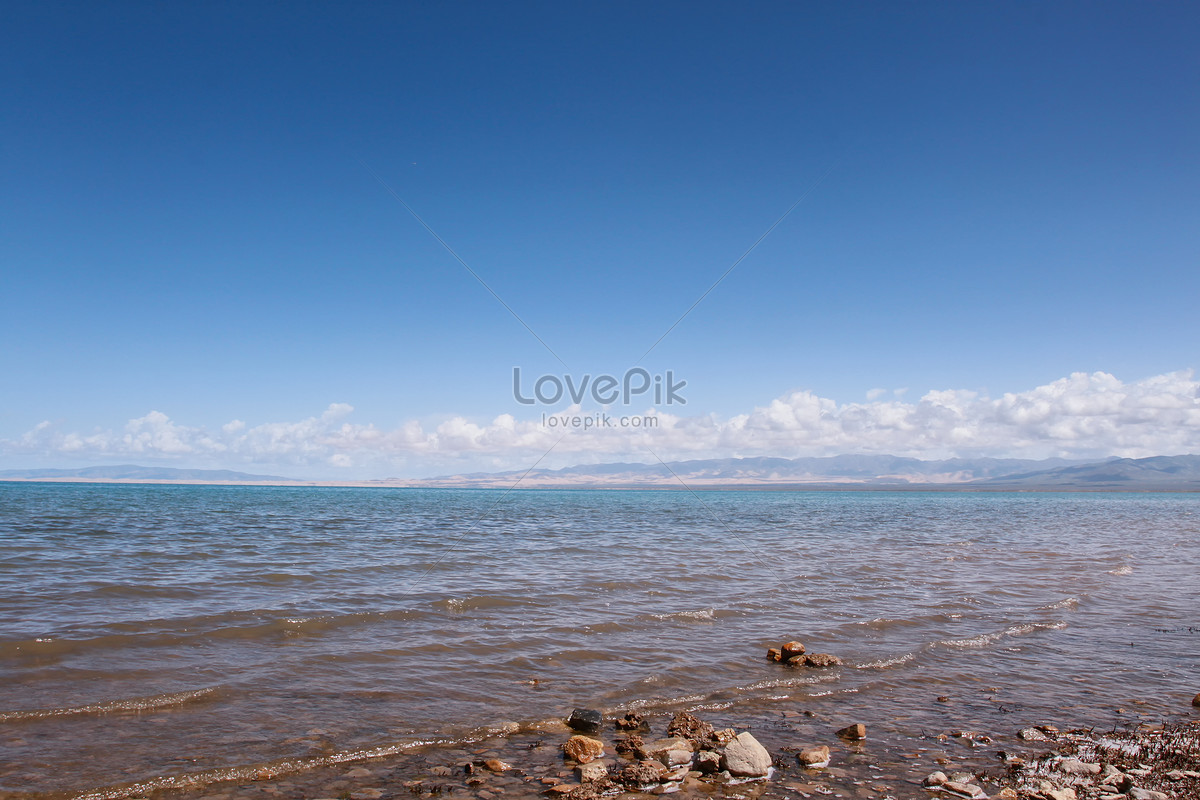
(1084, 768)
(794, 654)
(691, 751)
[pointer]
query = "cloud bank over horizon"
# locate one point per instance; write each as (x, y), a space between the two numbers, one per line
(1083, 415)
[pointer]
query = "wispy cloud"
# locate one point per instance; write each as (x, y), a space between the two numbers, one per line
(1083, 415)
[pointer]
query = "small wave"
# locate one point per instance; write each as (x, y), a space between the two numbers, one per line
(1124, 569)
(481, 603)
(1070, 602)
(984, 639)
(704, 614)
(884, 663)
(134, 704)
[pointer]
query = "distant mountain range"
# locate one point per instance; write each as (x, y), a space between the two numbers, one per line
(1159, 473)
(131, 472)
(856, 471)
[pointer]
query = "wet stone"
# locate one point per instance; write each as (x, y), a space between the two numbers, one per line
(585, 720)
(854, 733)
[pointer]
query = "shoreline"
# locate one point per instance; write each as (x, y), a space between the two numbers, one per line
(1129, 761)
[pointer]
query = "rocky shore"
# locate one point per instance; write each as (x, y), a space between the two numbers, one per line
(793, 752)
(630, 756)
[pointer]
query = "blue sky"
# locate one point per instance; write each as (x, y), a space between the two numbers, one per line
(997, 197)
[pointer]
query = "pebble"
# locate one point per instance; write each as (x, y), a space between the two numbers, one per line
(935, 779)
(1196, 701)
(1032, 735)
(496, 765)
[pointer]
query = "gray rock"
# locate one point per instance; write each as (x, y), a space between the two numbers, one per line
(1073, 766)
(1138, 793)
(1032, 735)
(962, 789)
(744, 756)
(935, 779)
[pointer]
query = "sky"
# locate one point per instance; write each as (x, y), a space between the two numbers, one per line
(316, 239)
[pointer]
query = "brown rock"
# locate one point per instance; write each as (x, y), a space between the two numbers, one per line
(1196, 701)
(792, 649)
(854, 732)
(592, 771)
(796, 661)
(822, 660)
(643, 773)
(632, 721)
(814, 756)
(774, 654)
(724, 736)
(691, 728)
(628, 745)
(496, 765)
(582, 749)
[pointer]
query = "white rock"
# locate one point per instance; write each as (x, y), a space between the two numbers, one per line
(745, 756)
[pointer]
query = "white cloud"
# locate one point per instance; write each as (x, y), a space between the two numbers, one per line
(1082, 415)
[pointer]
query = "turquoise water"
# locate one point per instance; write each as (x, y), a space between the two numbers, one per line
(151, 630)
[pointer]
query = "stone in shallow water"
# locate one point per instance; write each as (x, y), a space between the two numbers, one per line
(632, 721)
(792, 649)
(744, 756)
(585, 720)
(822, 660)
(853, 732)
(582, 749)
(935, 779)
(1032, 735)
(496, 765)
(774, 654)
(708, 762)
(814, 757)
(643, 773)
(592, 771)
(690, 728)
(1196, 701)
